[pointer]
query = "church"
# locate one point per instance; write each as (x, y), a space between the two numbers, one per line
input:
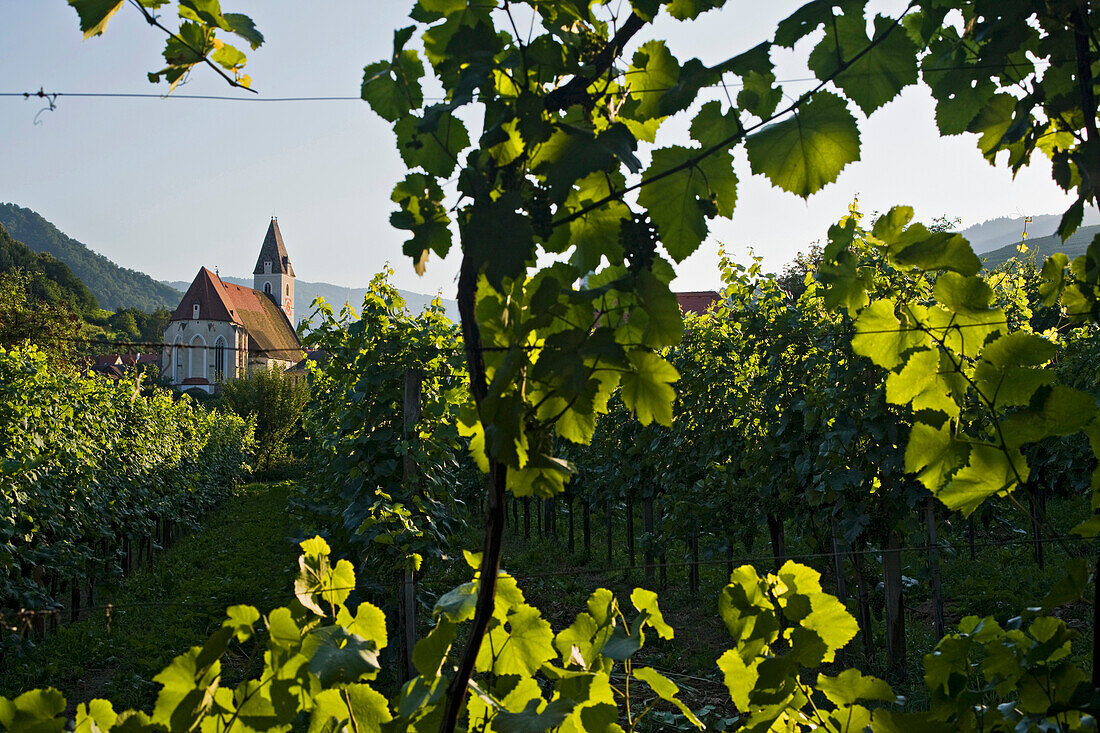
(221, 331)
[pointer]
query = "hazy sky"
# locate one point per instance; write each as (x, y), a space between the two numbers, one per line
(167, 186)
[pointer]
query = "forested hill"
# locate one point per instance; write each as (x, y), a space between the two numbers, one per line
(1043, 247)
(113, 286)
(48, 278)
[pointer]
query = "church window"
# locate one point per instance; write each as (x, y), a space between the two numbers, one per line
(288, 288)
(195, 311)
(267, 267)
(267, 288)
(219, 358)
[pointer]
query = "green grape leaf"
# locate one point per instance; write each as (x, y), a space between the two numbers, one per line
(806, 151)
(647, 388)
(499, 238)
(988, 472)
(522, 649)
(920, 371)
(435, 148)
(811, 16)
(878, 75)
(680, 202)
(94, 14)
(369, 622)
(667, 690)
(882, 338)
(243, 26)
(851, 686)
(457, 605)
(933, 454)
(646, 603)
(93, 717)
(242, 619)
(431, 651)
(37, 710)
(360, 707)
(892, 225)
(711, 126)
(918, 247)
(653, 71)
(530, 720)
(341, 657)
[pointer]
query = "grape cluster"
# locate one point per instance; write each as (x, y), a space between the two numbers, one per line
(538, 209)
(638, 237)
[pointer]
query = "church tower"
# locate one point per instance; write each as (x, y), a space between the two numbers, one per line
(273, 274)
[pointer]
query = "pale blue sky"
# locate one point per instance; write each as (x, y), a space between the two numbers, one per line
(168, 186)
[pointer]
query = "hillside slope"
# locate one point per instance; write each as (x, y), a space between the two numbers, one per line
(113, 286)
(49, 279)
(996, 233)
(1043, 247)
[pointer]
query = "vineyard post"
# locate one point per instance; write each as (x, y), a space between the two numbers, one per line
(779, 539)
(865, 628)
(607, 521)
(934, 561)
(895, 610)
(407, 620)
(647, 528)
(1035, 510)
(630, 530)
(586, 522)
(572, 543)
(838, 563)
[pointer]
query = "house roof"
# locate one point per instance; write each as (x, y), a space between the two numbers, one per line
(273, 251)
(697, 301)
(268, 328)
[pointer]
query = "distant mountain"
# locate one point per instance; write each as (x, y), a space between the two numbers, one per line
(1043, 247)
(113, 286)
(1004, 230)
(49, 279)
(334, 295)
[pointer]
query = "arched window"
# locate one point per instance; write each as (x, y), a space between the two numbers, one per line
(177, 360)
(219, 358)
(195, 311)
(267, 288)
(288, 288)
(196, 357)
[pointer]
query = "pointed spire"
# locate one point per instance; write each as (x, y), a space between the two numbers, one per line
(273, 251)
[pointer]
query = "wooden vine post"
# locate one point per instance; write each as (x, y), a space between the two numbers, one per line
(934, 562)
(407, 598)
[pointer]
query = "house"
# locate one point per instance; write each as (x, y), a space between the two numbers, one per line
(697, 301)
(221, 331)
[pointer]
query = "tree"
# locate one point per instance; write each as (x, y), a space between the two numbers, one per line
(276, 400)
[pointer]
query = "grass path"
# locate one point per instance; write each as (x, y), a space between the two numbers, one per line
(241, 554)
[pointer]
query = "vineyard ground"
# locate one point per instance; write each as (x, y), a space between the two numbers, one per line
(1002, 578)
(241, 554)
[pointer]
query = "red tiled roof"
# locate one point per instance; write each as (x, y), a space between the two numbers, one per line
(106, 359)
(205, 291)
(697, 301)
(148, 359)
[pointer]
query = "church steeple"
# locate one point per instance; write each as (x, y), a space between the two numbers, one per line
(274, 274)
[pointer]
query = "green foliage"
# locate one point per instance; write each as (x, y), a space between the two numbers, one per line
(388, 486)
(88, 462)
(114, 287)
(273, 401)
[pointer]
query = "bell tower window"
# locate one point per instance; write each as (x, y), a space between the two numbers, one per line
(267, 288)
(267, 267)
(195, 311)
